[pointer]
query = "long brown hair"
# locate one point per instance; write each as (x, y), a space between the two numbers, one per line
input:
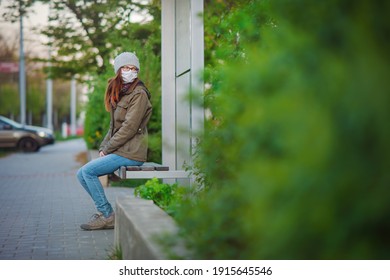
(112, 91)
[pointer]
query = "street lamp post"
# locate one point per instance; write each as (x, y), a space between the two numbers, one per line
(22, 74)
(73, 106)
(49, 91)
(49, 102)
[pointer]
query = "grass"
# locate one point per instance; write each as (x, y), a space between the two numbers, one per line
(58, 136)
(5, 152)
(116, 254)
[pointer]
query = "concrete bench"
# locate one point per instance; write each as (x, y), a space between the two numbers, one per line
(151, 170)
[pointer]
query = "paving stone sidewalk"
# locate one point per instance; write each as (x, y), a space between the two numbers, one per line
(42, 206)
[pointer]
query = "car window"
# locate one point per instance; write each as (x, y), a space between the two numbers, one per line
(3, 125)
(4, 122)
(13, 123)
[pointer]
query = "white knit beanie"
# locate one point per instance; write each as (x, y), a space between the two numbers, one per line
(125, 58)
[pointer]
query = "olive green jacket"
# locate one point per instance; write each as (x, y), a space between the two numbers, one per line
(128, 134)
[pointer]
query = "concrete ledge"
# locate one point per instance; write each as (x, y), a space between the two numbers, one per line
(138, 222)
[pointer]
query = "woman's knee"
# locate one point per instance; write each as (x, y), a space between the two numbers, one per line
(88, 170)
(79, 174)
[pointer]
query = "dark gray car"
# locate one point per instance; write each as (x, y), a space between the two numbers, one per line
(26, 138)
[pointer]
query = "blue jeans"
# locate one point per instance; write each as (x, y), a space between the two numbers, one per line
(89, 173)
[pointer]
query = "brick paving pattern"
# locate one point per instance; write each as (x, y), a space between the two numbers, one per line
(42, 206)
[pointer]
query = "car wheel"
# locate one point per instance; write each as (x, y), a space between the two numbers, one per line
(28, 145)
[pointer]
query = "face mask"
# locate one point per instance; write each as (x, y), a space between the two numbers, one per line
(129, 76)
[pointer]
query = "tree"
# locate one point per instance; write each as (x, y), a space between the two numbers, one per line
(15, 9)
(83, 34)
(35, 90)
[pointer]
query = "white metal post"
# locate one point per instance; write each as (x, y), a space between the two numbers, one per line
(49, 93)
(49, 103)
(22, 73)
(73, 107)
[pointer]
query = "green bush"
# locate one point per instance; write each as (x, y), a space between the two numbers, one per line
(296, 154)
(9, 99)
(97, 119)
(167, 196)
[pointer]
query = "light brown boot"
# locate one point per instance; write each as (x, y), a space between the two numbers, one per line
(98, 221)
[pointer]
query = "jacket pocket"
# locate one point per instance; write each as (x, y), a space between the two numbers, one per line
(120, 112)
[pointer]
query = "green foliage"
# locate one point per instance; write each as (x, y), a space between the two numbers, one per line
(128, 183)
(35, 97)
(15, 9)
(83, 38)
(296, 153)
(97, 119)
(116, 253)
(9, 99)
(35, 91)
(223, 40)
(166, 196)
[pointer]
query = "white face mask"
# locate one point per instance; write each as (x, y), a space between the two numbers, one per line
(129, 76)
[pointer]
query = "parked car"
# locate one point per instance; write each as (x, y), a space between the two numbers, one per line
(26, 138)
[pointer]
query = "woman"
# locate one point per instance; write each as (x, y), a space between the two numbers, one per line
(128, 101)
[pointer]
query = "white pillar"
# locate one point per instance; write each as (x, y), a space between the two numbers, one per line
(168, 83)
(49, 93)
(49, 104)
(73, 106)
(197, 67)
(22, 74)
(64, 130)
